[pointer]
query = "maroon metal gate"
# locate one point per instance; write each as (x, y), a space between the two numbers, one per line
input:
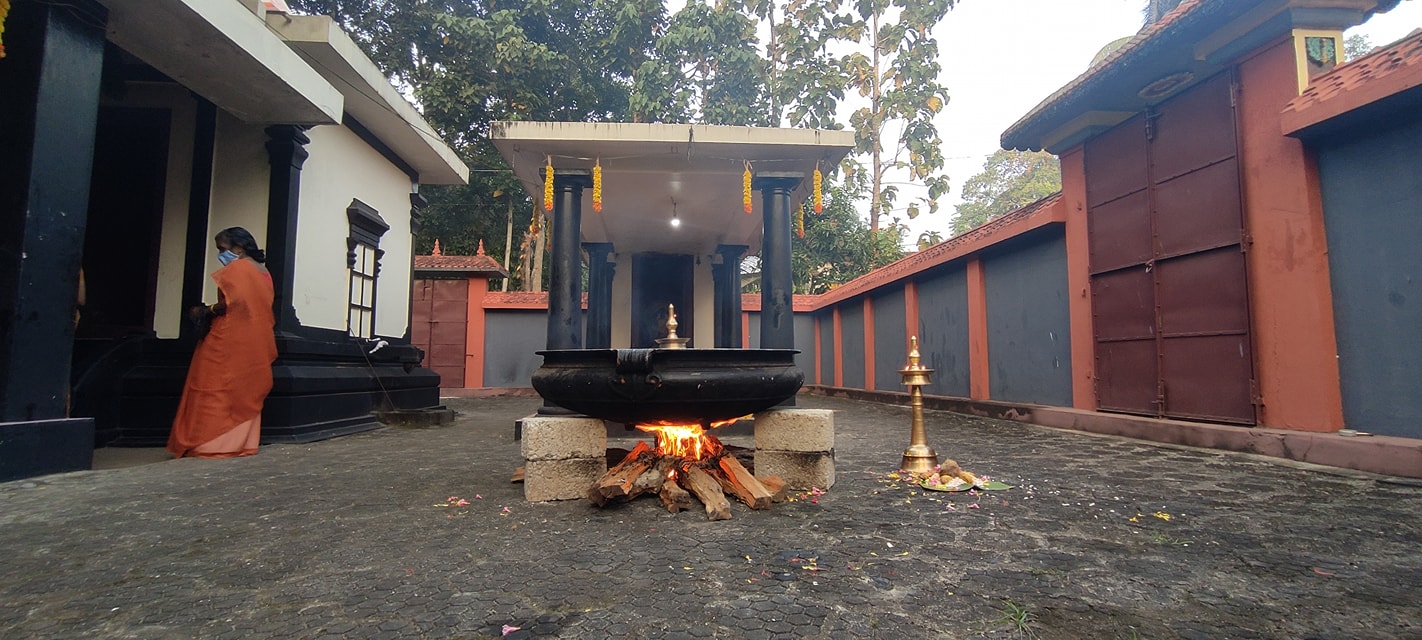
(1169, 297)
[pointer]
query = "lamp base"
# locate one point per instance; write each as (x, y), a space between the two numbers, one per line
(919, 458)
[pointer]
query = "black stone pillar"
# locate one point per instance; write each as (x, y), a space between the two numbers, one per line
(727, 277)
(197, 243)
(600, 274)
(287, 152)
(49, 105)
(565, 296)
(565, 292)
(777, 322)
(417, 204)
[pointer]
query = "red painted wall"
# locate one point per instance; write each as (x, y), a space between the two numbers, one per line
(1290, 301)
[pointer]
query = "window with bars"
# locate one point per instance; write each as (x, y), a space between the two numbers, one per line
(363, 256)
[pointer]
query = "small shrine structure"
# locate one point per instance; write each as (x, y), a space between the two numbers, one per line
(672, 214)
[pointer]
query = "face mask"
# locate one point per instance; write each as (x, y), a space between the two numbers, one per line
(226, 257)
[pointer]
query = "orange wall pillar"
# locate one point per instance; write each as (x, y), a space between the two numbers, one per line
(1078, 249)
(910, 311)
(838, 349)
(818, 348)
(1291, 307)
(978, 364)
(868, 342)
(474, 334)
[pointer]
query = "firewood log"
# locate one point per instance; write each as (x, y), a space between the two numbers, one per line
(674, 498)
(708, 491)
(740, 483)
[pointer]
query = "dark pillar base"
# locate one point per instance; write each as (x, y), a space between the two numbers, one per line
(323, 386)
(42, 447)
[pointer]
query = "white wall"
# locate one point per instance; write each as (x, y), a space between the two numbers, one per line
(622, 302)
(241, 173)
(343, 167)
(704, 300)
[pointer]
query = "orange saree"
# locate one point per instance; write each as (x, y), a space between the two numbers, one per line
(231, 372)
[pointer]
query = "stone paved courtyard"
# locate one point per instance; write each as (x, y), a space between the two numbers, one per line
(1101, 538)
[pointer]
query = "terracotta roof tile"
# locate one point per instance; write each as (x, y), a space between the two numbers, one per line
(1384, 72)
(1011, 224)
(479, 263)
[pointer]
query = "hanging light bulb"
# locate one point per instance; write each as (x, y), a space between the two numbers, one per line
(675, 221)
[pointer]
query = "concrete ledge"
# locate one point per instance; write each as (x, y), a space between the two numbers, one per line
(487, 392)
(795, 430)
(42, 447)
(562, 438)
(1386, 455)
(800, 470)
(545, 480)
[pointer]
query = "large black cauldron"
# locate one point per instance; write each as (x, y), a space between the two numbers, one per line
(685, 386)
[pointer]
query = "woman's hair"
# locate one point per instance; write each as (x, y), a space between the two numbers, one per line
(239, 237)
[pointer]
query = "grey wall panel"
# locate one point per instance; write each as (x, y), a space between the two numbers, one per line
(1029, 351)
(510, 339)
(827, 348)
(1372, 209)
(943, 331)
(753, 322)
(890, 340)
(805, 342)
(851, 319)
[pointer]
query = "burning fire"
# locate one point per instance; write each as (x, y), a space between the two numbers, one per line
(688, 441)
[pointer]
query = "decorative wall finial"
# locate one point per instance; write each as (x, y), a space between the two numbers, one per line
(436, 249)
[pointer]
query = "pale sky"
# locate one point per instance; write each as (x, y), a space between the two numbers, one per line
(1002, 57)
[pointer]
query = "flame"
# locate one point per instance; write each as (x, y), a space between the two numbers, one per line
(688, 441)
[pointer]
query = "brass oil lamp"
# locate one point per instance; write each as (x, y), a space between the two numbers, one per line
(919, 457)
(672, 341)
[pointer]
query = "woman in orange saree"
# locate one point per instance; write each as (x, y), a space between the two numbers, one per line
(220, 414)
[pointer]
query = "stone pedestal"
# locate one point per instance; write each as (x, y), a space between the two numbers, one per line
(797, 445)
(562, 456)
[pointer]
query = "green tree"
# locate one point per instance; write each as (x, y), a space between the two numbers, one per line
(837, 245)
(1356, 46)
(1156, 9)
(469, 63)
(706, 69)
(899, 76)
(1009, 180)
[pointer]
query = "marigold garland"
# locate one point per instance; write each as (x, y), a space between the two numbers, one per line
(597, 184)
(746, 189)
(548, 186)
(800, 222)
(4, 12)
(819, 191)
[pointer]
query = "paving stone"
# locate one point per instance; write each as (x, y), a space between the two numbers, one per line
(305, 541)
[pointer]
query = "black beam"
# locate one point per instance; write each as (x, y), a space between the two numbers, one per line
(196, 242)
(287, 152)
(727, 276)
(565, 291)
(600, 275)
(49, 106)
(777, 322)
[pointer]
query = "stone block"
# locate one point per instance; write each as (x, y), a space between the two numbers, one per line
(795, 430)
(570, 479)
(800, 470)
(563, 437)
